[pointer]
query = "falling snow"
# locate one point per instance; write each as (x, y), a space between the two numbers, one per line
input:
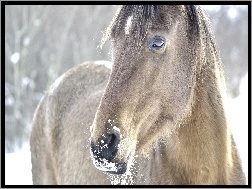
(15, 58)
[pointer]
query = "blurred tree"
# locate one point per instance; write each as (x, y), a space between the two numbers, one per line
(230, 26)
(41, 43)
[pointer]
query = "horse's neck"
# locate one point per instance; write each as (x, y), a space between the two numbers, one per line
(197, 153)
(157, 168)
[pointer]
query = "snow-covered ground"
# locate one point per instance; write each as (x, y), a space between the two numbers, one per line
(237, 111)
(18, 164)
(18, 167)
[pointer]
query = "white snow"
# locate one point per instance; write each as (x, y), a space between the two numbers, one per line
(15, 58)
(18, 164)
(36, 22)
(18, 167)
(232, 12)
(105, 165)
(237, 112)
(116, 129)
(26, 41)
(108, 64)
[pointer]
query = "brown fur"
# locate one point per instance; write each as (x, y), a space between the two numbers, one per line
(168, 107)
(60, 134)
(171, 99)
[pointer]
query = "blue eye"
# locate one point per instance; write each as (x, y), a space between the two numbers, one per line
(156, 43)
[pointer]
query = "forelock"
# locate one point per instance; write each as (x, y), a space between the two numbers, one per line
(135, 20)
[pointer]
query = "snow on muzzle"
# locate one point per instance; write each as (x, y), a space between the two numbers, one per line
(104, 152)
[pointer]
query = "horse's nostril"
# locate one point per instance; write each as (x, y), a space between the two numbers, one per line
(106, 148)
(110, 146)
(112, 140)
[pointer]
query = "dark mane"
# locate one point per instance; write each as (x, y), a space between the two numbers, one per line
(142, 17)
(194, 18)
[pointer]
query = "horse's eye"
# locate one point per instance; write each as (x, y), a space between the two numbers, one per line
(156, 43)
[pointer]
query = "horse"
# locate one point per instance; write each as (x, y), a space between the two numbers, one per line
(59, 140)
(157, 118)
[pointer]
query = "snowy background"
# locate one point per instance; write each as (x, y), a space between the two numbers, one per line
(27, 77)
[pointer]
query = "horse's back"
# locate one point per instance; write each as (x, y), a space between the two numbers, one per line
(61, 128)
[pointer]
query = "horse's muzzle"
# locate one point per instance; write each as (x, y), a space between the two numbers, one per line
(104, 153)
